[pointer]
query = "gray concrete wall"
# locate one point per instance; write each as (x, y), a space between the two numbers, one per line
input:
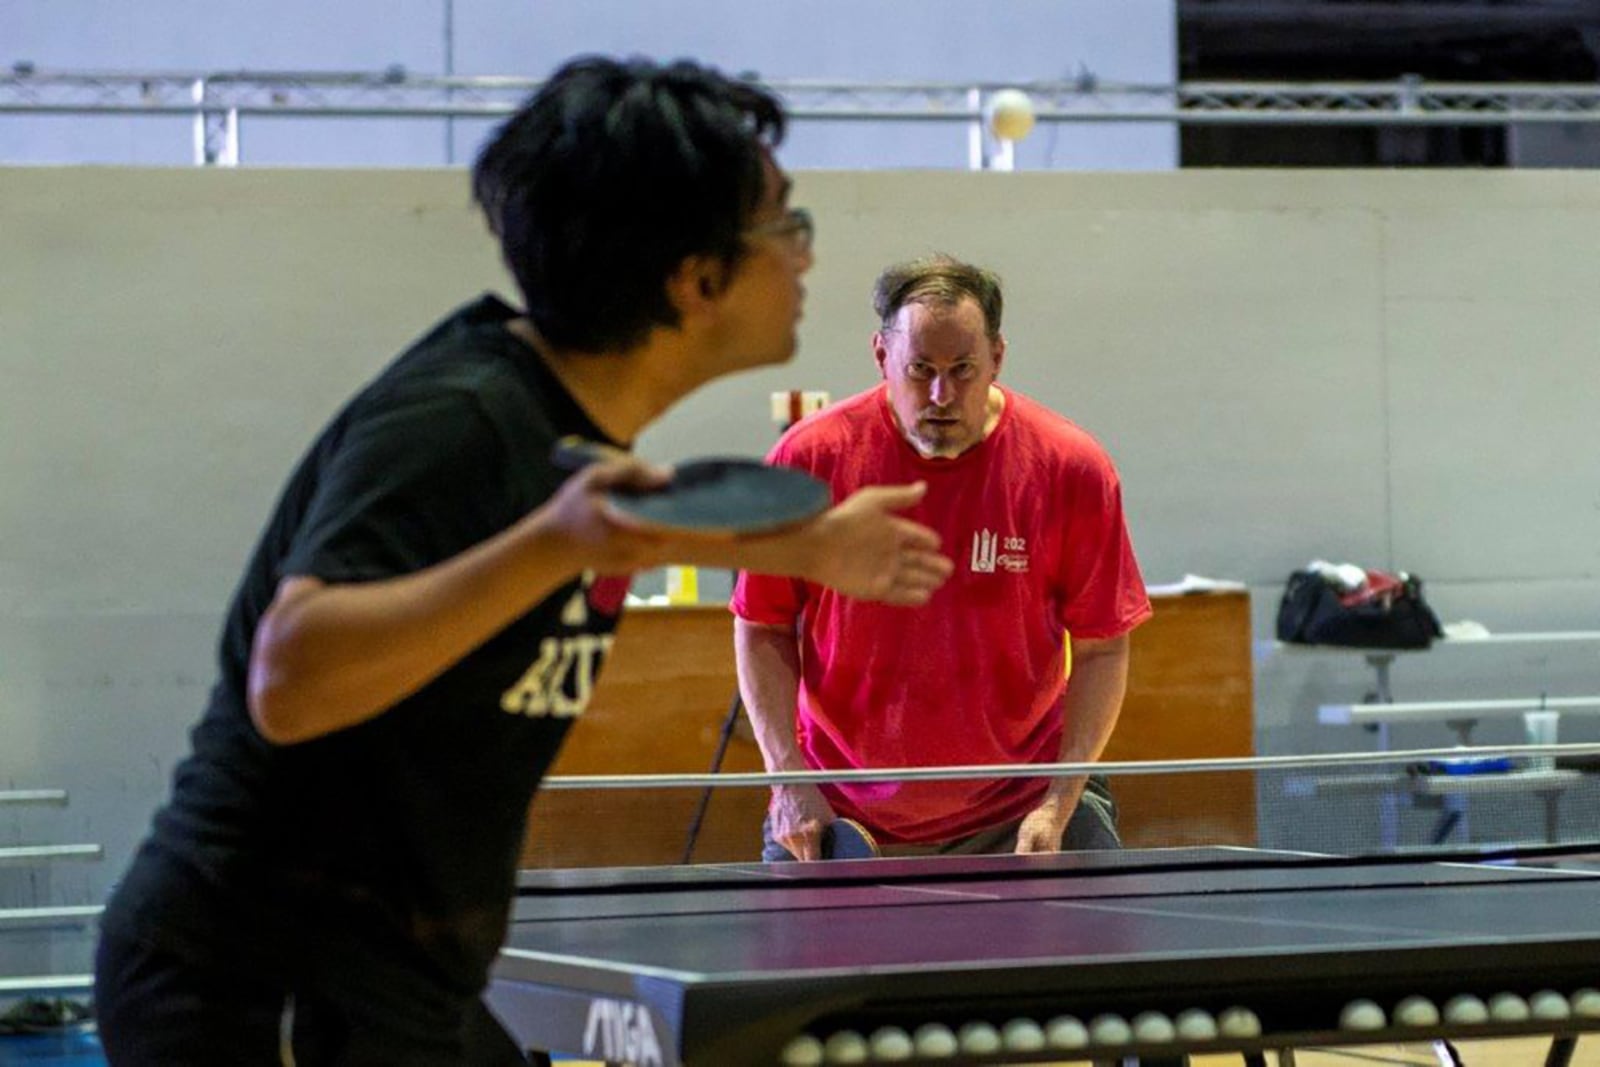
(1393, 368)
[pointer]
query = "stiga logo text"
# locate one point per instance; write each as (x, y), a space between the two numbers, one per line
(620, 1031)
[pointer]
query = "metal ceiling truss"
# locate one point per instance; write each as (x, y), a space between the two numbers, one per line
(218, 101)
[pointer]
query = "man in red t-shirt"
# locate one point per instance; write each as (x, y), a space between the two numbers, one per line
(1030, 507)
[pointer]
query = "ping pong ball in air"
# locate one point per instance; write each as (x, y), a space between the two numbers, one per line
(1010, 114)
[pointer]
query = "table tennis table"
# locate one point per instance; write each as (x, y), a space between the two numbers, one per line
(976, 959)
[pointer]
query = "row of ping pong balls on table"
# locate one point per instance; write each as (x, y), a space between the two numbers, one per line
(1065, 1033)
(1466, 1010)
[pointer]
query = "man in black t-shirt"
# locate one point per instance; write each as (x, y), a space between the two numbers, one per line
(431, 601)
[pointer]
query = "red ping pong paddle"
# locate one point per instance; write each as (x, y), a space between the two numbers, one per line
(720, 496)
(846, 839)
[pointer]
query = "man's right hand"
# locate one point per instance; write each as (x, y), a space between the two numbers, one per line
(863, 549)
(799, 814)
(581, 513)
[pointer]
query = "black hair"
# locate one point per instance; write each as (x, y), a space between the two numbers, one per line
(609, 176)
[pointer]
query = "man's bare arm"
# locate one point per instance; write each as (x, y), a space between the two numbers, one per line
(1089, 710)
(330, 656)
(768, 661)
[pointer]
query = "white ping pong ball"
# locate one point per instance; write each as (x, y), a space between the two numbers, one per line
(1361, 1015)
(1416, 1011)
(1586, 1003)
(1549, 1005)
(1465, 1009)
(1110, 1029)
(978, 1039)
(1508, 1008)
(802, 1051)
(1022, 1035)
(845, 1046)
(1196, 1025)
(1239, 1022)
(1152, 1028)
(1066, 1032)
(890, 1043)
(1011, 114)
(934, 1041)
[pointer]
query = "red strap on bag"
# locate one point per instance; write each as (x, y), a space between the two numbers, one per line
(1380, 585)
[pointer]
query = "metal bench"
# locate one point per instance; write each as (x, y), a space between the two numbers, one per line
(63, 917)
(36, 985)
(56, 797)
(28, 855)
(1448, 792)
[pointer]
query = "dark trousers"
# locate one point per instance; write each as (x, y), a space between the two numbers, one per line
(157, 1009)
(1093, 826)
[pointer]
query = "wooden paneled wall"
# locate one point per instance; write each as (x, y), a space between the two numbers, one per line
(664, 697)
(1190, 696)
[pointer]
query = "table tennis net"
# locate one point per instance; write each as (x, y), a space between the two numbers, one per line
(1347, 804)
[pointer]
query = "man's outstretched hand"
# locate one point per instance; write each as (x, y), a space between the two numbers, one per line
(863, 549)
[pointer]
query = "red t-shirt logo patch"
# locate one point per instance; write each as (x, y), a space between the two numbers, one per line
(987, 557)
(984, 547)
(1015, 556)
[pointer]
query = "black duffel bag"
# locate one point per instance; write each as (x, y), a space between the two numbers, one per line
(1385, 611)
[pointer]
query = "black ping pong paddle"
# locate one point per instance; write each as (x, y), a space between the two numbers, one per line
(720, 496)
(846, 839)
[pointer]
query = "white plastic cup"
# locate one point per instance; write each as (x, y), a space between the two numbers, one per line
(683, 585)
(1541, 727)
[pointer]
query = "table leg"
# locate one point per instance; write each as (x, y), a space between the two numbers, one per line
(1561, 1049)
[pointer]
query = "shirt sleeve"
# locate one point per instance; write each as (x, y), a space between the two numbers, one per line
(766, 599)
(405, 486)
(1103, 591)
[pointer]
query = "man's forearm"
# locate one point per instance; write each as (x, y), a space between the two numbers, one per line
(768, 663)
(327, 657)
(1090, 708)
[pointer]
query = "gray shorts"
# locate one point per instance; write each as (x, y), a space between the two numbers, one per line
(1093, 826)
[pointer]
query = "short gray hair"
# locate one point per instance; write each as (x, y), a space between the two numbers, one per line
(938, 279)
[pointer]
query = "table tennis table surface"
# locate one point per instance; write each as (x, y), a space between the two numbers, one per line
(807, 946)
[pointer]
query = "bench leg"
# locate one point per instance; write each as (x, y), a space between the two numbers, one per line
(1552, 817)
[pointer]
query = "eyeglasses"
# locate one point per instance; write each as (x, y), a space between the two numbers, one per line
(794, 225)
